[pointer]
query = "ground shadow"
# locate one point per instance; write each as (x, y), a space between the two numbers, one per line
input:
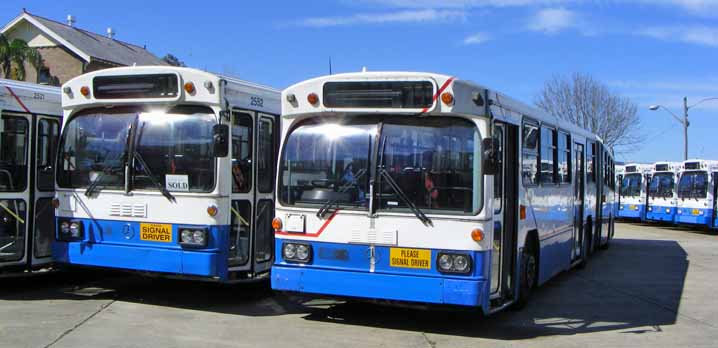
(635, 287)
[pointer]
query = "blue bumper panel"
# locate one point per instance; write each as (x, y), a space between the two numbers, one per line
(691, 219)
(659, 214)
(105, 245)
(378, 286)
(631, 213)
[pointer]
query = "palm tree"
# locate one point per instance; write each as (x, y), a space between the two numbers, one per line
(13, 54)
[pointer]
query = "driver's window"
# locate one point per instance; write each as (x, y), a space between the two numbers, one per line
(241, 152)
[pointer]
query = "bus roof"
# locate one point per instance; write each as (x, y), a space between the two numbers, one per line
(465, 93)
(235, 91)
(29, 97)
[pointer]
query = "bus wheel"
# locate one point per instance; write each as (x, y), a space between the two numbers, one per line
(528, 276)
(609, 234)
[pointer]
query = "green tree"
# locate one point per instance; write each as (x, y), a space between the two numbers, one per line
(14, 54)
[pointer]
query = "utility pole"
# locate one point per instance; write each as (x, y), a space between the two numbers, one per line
(685, 128)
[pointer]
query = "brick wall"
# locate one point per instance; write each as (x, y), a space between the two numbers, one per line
(63, 64)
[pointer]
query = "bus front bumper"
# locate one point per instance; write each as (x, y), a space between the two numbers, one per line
(657, 213)
(688, 216)
(392, 287)
(143, 259)
(632, 211)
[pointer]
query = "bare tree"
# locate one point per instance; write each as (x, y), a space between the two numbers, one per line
(590, 104)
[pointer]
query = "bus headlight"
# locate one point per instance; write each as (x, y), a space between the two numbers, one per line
(70, 231)
(192, 237)
(620, 207)
(650, 208)
(297, 252)
(453, 263)
(668, 210)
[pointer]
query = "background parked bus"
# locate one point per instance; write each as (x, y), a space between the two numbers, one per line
(696, 193)
(169, 171)
(633, 191)
(662, 194)
(30, 118)
(428, 189)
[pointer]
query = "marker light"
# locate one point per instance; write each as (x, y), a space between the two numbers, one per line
(277, 224)
(189, 87)
(291, 98)
(522, 212)
(313, 98)
(67, 90)
(85, 91)
(55, 203)
(447, 98)
(212, 210)
(477, 235)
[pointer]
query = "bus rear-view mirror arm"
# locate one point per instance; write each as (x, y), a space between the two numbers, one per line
(489, 156)
(220, 135)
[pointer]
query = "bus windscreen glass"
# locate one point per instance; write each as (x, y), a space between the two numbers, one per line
(379, 94)
(136, 86)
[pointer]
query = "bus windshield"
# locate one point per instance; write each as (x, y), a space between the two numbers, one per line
(631, 185)
(662, 185)
(432, 161)
(693, 185)
(175, 145)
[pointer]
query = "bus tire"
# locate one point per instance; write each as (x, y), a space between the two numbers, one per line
(586, 251)
(528, 275)
(609, 234)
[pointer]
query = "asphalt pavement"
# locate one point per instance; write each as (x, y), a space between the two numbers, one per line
(654, 287)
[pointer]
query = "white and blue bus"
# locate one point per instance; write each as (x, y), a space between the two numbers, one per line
(696, 193)
(168, 171)
(422, 188)
(633, 193)
(30, 119)
(662, 195)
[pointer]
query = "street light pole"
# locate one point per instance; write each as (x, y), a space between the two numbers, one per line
(684, 120)
(685, 128)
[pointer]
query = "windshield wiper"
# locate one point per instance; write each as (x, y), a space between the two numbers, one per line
(328, 204)
(146, 169)
(394, 186)
(148, 172)
(95, 184)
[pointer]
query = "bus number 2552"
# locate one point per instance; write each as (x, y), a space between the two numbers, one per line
(257, 101)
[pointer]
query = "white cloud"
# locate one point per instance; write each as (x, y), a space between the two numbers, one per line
(706, 8)
(477, 38)
(553, 20)
(699, 35)
(463, 3)
(410, 16)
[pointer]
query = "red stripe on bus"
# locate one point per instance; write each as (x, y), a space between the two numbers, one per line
(18, 100)
(438, 93)
(316, 234)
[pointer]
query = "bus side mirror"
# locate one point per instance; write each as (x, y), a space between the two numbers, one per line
(490, 156)
(220, 135)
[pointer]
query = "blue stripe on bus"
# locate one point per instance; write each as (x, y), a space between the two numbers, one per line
(658, 213)
(343, 270)
(109, 245)
(631, 213)
(685, 216)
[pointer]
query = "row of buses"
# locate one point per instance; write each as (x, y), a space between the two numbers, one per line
(404, 187)
(672, 192)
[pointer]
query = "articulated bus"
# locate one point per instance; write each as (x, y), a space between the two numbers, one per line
(30, 119)
(632, 196)
(424, 189)
(167, 171)
(696, 193)
(662, 195)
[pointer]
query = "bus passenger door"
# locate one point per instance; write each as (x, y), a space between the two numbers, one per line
(242, 198)
(578, 205)
(505, 212)
(14, 188)
(47, 132)
(265, 155)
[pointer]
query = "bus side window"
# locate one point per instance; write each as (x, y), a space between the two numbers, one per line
(529, 160)
(241, 152)
(548, 156)
(564, 158)
(592, 164)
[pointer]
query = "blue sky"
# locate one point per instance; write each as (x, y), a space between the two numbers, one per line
(654, 52)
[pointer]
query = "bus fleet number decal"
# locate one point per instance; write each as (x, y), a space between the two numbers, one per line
(410, 258)
(156, 232)
(257, 101)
